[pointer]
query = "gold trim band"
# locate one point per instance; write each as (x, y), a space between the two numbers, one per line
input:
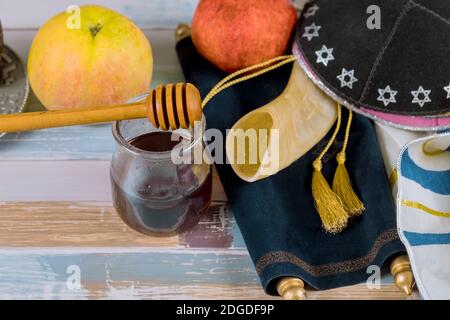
(422, 207)
(431, 153)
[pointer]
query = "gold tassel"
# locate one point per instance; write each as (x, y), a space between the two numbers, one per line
(343, 188)
(342, 185)
(328, 204)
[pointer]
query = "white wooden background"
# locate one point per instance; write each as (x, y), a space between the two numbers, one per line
(55, 203)
(30, 14)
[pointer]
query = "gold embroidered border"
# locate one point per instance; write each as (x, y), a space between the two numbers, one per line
(328, 269)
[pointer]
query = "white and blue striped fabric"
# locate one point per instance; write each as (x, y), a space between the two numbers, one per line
(423, 212)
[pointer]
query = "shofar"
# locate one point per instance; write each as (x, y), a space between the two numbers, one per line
(303, 115)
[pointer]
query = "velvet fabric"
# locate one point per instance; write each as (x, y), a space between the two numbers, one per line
(276, 215)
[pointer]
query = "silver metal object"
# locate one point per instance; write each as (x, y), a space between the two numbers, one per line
(14, 87)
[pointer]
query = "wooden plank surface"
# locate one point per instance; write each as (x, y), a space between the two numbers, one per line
(69, 225)
(40, 242)
(61, 216)
(71, 180)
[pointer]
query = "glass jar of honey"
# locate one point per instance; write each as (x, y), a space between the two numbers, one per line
(158, 187)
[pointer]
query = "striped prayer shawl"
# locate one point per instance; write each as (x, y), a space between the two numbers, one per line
(423, 212)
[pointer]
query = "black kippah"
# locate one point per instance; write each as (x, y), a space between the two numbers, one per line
(401, 68)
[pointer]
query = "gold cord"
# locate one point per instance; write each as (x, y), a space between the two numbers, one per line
(250, 68)
(328, 204)
(347, 131)
(228, 82)
(342, 185)
(317, 164)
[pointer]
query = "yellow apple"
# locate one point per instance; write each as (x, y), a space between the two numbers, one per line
(93, 57)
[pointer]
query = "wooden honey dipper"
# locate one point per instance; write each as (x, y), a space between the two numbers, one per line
(167, 107)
